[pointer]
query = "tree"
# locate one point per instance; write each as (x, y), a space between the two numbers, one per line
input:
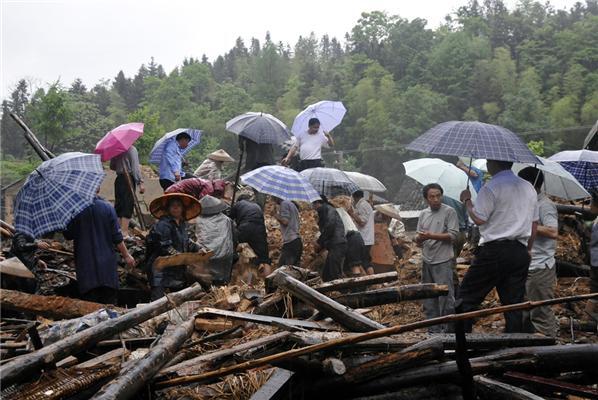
(51, 114)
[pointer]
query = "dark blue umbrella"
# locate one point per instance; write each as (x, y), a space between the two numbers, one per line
(474, 139)
(56, 192)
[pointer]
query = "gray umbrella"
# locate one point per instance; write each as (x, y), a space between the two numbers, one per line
(330, 182)
(259, 127)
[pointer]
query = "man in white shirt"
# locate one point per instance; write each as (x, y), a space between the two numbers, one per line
(506, 210)
(309, 144)
(541, 278)
(363, 215)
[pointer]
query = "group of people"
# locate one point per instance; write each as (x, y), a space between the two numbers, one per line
(518, 228)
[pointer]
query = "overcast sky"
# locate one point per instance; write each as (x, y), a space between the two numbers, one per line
(93, 39)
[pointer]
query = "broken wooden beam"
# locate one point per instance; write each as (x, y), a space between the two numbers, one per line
(345, 316)
(356, 282)
(14, 267)
(56, 307)
(107, 358)
(134, 376)
(22, 367)
(492, 389)
(275, 386)
(265, 320)
(372, 335)
(391, 295)
(579, 325)
(552, 384)
(41, 151)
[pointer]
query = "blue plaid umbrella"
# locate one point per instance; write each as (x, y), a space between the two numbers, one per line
(474, 139)
(282, 182)
(330, 182)
(582, 164)
(158, 149)
(56, 192)
(259, 127)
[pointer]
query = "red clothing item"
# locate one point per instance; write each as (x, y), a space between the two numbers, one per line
(198, 187)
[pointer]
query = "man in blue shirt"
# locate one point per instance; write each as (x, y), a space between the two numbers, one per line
(96, 232)
(171, 165)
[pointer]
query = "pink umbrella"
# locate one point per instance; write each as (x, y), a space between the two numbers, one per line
(119, 140)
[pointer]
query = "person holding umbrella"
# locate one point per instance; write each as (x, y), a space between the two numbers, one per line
(506, 210)
(126, 163)
(541, 278)
(171, 164)
(309, 144)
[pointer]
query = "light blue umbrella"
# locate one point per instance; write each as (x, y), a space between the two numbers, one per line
(56, 192)
(260, 127)
(158, 149)
(330, 182)
(474, 139)
(282, 182)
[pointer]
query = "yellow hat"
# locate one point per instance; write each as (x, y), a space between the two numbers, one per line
(220, 155)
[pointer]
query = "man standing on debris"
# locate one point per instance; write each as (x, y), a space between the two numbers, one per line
(363, 215)
(288, 218)
(437, 228)
(309, 144)
(506, 210)
(249, 218)
(126, 163)
(541, 278)
(171, 164)
(95, 232)
(332, 238)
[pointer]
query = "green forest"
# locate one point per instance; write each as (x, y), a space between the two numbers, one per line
(532, 69)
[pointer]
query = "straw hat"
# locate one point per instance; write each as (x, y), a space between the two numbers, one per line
(388, 210)
(192, 207)
(220, 155)
(210, 205)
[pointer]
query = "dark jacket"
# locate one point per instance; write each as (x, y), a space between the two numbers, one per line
(332, 230)
(246, 212)
(23, 247)
(256, 154)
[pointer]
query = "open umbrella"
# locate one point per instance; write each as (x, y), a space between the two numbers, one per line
(557, 180)
(282, 182)
(158, 149)
(330, 114)
(118, 140)
(330, 182)
(473, 139)
(435, 170)
(259, 127)
(366, 183)
(582, 164)
(56, 191)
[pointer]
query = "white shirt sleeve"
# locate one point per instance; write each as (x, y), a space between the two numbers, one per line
(484, 204)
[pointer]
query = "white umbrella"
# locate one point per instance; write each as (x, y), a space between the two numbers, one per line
(576, 155)
(558, 181)
(329, 113)
(366, 183)
(434, 170)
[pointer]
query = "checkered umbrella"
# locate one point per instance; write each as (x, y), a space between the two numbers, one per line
(259, 127)
(366, 183)
(330, 182)
(282, 182)
(158, 149)
(474, 139)
(582, 164)
(56, 192)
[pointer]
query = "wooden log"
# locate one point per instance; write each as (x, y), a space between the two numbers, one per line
(7, 226)
(490, 341)
(5, 233)
(372, 335)
(55, 307)
(204, 361)
(265, 320)
(427, 392)
(552, 384)
(134, 376)
(579, 325)
(565, 268)
(583, 212)
(275, 386)
(391, 295)
(181, 259)
(492, 389)
(542, 358)
(343, 315)
(356, 282)
(22, 367)
(106, 358)
(41, 151)
(14, 267)
(213, 325)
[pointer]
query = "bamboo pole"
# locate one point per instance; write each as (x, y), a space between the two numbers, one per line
(41, 151)
(370, 335)
(132, 189)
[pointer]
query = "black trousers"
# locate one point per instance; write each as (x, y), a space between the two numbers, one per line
(123, 198)
(307, 164)
(333, 268)
(166, 183)
(367, 256)
(355, 251)
(291, 253)
(102, 294)
(255, 235)
(502, 265)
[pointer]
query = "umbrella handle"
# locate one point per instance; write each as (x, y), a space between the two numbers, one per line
(232, 203)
